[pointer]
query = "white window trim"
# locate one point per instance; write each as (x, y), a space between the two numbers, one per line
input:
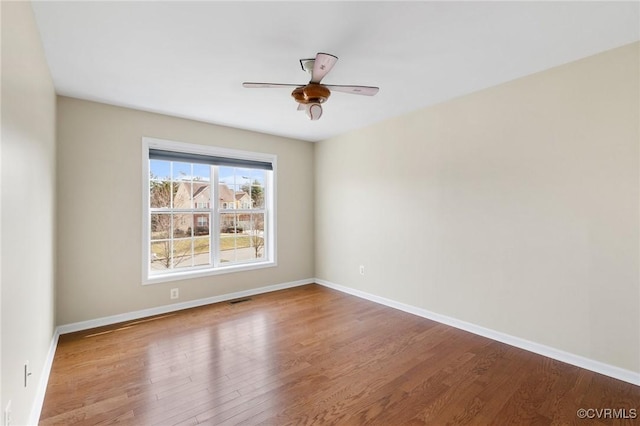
(270, 209)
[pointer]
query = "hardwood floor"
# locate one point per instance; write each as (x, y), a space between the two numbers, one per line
(313, 355)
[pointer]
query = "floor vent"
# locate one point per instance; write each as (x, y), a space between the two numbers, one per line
(246, 299)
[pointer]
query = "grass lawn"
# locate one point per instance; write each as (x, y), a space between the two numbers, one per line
(201, 245)
(231, 241)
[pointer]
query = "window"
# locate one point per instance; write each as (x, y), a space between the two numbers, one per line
(207, 210)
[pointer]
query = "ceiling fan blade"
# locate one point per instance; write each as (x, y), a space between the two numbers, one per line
(322, 65)
(269, 85)
(354, 90)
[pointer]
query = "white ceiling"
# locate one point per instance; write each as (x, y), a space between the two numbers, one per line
(188, 59)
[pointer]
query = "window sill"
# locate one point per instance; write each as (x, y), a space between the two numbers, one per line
(199, 273)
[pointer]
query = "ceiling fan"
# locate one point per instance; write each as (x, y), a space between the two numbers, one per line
(311, 96)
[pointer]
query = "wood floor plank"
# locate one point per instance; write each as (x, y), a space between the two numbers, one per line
(311, 355)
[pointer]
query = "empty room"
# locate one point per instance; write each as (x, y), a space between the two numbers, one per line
(345, 213)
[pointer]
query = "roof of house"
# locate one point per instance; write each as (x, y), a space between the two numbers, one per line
(226, 193)
(200, 188)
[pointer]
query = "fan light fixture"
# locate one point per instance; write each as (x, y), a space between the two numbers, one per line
(312, 95)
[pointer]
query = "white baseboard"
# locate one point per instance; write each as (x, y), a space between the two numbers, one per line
(144, 313)
(557, 354)
(36, 407)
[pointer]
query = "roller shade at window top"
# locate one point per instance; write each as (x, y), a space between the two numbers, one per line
(186, 157)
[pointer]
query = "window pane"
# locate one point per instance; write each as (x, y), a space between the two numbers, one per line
(160, 226)
(182, 224)
(182, 253)
(243, 199)
(236, 196)
(241, 188)
(226, 197)
(242, 223)
(226, 175)
(181, 171)
(229, 241)
(202, 221)
(160, 170)
(256, 235)
(257, 195)
(160, 255)
(201, 172)
(159, 194)
(230, 224)
(182, 196)
(252, 185)
(241, 237)
(201, 251)
(201, 195)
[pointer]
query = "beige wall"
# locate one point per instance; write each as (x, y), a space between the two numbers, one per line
(100, 210)
(28, 207)
(514, 208)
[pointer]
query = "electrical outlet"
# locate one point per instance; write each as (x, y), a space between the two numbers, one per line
(7, 414)
(361, 269)
(175, 293)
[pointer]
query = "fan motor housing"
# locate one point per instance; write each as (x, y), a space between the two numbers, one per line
(312, 93)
